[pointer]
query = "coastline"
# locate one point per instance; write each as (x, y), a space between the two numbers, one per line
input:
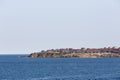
(80, 53)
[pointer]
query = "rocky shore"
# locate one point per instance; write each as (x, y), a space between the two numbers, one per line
(81, 53)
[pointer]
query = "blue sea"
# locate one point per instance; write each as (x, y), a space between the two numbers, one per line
(13, 67)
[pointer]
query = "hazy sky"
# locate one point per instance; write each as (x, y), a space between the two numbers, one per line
(32, 25)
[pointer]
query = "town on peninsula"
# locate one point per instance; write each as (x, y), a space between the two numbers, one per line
(81, 53)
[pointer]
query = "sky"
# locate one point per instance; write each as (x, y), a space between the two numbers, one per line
(28, 26)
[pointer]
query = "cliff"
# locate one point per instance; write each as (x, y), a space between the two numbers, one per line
(82, 53)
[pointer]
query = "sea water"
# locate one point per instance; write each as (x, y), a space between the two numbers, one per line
(13, 67)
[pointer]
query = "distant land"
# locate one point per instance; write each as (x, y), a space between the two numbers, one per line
(81, 53)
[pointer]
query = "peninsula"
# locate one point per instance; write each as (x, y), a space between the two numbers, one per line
(81, 53)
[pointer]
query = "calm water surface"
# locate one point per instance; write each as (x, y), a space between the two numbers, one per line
(14, 68)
